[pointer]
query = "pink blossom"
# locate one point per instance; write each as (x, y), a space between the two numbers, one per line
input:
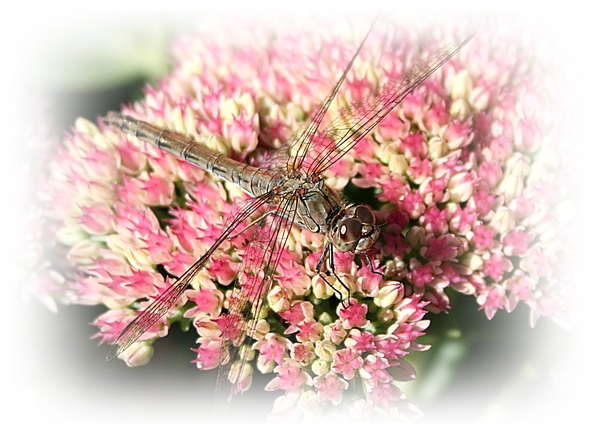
(490, 172)
(457, 170)
(483, 200)
(299, 312)
(537, 262)
(362, 341)
(389, 127)
(420, 275)
(483, 237)
(303, 352)
(444, 248)
(435, 220)
(520, 286)
(516, 243)
(346, 362)
(97, 218)
(394, 189)
(492, 299)
(413, 146)
(522, 207)
(308, 330)
(501, 148)
(272, 350)
(436, 117)
(153, 191)
(412, 204)
(335, 332)
(208, 300)
(413, 107)
(434, 191)
(290, 377)
(419, 170)
(494, 267)
(354, 315)
(462, 220)
(374, 370)
(384, 394)
(390, 346)
(458, 134)
(330, 388)
(208, 352)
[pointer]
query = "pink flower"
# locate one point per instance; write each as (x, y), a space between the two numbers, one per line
(290, 377)
(299, 312)
(537, 262)
(420, 275)
(97, 218)
(436, 117)
(309, 330)
(435, 220)
(494, 267)
(374, 370)
(490, 172)
(413, 146)
(491, 299)
(444, 248)
(458, 134)
(361, 341)
(384, 394)
(354, 315)
(412, 204)
(346, 362)
(483, 237)
(419, 170)
(208, 300)
(272, 350)
(462, 220)
(458, 169)
(303, 352)
(390, 347)
(520, 286)
(335, 332)
(330, 388)
(209, 353)
(483, 200)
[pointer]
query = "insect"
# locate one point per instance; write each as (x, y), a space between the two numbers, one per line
(289, 190)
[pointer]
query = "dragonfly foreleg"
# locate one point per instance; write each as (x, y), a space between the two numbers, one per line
(330, 270)
(368, 260)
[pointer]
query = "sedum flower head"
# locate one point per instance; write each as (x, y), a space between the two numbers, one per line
(464, 172)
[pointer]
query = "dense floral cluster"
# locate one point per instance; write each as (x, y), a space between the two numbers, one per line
(463, 172)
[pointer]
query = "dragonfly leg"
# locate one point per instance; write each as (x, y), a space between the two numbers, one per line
(258, 220)
(330, 269)
(368, 260)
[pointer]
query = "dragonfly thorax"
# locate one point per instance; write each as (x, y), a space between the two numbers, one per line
(355, 229)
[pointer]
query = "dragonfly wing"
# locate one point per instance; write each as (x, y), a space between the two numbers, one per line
(161, 305)
(260, 262)
(313, 150)
(292, 156)
(356, 121)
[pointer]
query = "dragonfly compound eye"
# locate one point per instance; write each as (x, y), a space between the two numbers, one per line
(348, 234)
(365, 215)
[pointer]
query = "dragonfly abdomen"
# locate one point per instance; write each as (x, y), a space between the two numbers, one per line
(253, 180)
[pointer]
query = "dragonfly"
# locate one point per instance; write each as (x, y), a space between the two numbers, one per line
(287, 189)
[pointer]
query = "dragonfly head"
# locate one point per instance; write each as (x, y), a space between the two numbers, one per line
(356, 230)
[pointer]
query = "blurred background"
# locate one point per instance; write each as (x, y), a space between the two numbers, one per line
(64, 64)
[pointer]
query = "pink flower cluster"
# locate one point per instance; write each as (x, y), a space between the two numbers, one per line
(468, 183)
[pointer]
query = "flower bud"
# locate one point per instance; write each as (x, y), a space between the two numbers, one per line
(138, 354)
